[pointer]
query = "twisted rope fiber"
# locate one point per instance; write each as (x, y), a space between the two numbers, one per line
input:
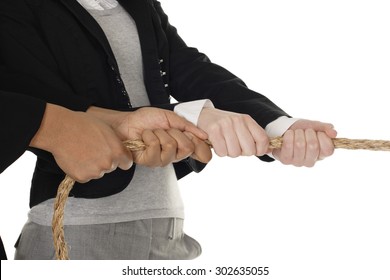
(66, 185)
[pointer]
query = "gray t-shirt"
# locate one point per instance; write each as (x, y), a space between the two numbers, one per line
(153, 192)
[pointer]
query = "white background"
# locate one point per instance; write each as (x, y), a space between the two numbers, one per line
(321, 60)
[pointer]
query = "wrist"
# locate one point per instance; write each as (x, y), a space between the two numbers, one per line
(50, 128)
(110, 117)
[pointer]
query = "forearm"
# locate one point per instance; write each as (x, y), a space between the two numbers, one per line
(111, 117)
(115, 117)
(193, 76)
(54, 124)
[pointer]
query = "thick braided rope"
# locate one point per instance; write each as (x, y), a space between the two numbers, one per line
(66, 185)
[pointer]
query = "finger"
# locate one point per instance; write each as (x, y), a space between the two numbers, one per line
(312, 148)
(168, 147)
(108, 167)
(202, 151)
(125, 161)
(286, 152)
(299, 147)
(245, 137)
(185, 147)
(328, 128)
(175, 121)
(84, 175)
(123, 158)
(85, 179)
(114, 166)
(326, 145)
(151, 156)
(232, 142)
(218, 141)
(260, 138)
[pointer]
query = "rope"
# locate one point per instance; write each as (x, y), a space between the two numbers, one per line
(66, 185)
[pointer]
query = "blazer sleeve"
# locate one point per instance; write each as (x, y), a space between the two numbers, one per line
(194, 76)
(21, 117)
(3, 255)
(27, 65)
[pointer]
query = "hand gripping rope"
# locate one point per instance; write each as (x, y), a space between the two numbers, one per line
(66, 185)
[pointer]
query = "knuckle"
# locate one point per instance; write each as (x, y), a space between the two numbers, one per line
(106, 164)
(220, 153)
(247, 118)
(327, 151)
(288, 143)
(249, 151)
(253, 151)
(297, 164)
(207, 156)
(227, 122)
(78, 178)
(214, 129)
(171, 145)
(234, 151)
(310, 165)
(164, 162)
(234, 155)
(264, 141)
(312, 146)
(235, 118)
(154, 142)
(300, 145)
(285, 159)
(188, 149)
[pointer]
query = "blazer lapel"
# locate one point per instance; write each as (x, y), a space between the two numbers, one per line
(91, 25)
(140, 11)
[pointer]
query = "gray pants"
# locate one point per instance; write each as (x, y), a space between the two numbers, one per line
(153, 239)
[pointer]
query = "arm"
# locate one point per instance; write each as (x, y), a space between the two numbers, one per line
(34, 63)
(28, 63)
(97, 151)
(194, 76)
(33, 123)
(186, 139)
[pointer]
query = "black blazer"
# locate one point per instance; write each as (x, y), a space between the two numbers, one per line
(20, 117)
(54, 50)
(3, 255)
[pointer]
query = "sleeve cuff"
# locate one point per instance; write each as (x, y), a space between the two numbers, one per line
(279, 126)
(191, 110)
